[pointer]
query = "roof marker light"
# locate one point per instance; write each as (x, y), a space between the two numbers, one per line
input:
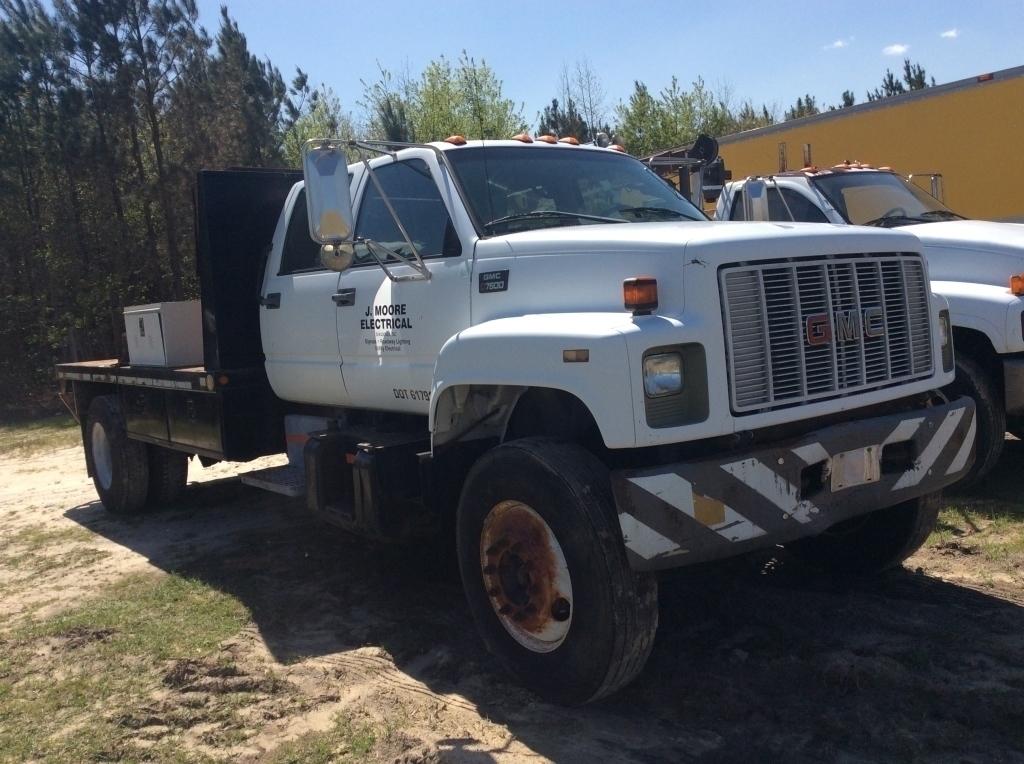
(455, 140)
(570, 140)
(523, 138)
(547, 138)
(618, 147)
(1017, 284)
(640, 295)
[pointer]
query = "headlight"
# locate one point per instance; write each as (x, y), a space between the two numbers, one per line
(663, 374)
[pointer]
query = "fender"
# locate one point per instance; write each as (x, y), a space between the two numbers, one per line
(527, 351)
(991, 310)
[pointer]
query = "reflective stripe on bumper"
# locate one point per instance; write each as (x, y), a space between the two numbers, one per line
(679, 514)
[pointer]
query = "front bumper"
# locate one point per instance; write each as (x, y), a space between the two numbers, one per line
(679, 514)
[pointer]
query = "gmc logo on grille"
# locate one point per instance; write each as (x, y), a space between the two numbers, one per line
(844, 325)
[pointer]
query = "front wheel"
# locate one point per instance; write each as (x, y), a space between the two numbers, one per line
(874, 542)
(546, 575)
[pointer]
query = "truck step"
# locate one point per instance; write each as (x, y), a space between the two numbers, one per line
(286, 480)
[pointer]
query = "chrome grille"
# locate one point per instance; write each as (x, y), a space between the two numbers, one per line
(766, 310)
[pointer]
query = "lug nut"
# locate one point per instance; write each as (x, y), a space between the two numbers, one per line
(561, 609)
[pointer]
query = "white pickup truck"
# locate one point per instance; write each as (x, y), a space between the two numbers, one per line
(976, 265)
(541, 354)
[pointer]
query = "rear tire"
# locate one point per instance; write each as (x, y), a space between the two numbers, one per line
(119, 467)
(545, 571)
(973, 380)
(168, 474)
(867, 545)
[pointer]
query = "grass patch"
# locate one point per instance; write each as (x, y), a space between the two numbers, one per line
(348, 740)
(154, 617)
(988, 528)
(28, 438)
(33, 538)
(30, 549)
(65, 680)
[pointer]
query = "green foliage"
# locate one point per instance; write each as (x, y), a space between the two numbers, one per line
(562, 122)
(464, 98)
(320, 117)
(675, 117)
(914, 78)
(805, 106)
(107, 110)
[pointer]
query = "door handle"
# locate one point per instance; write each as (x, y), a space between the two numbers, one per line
(344, 297)
(272, 300)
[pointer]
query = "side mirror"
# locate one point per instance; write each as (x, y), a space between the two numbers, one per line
(328, 200)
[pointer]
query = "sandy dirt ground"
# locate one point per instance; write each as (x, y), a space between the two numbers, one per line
(757, 659)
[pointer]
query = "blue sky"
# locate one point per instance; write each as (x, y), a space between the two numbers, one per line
(769, 52)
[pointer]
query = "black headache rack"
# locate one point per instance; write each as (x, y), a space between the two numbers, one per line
(225, 408)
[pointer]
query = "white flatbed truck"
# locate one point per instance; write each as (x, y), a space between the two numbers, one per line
(541, 354)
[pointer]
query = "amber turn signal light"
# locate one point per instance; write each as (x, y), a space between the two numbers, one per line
(640, 295)
(1017, 284)
(455, 140)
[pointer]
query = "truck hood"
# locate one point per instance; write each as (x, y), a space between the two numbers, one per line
(975, 251)
(725, 239)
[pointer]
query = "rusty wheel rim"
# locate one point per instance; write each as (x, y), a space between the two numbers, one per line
(526, 576)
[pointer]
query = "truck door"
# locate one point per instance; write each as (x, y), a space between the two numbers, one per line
(297, 314)
(391, 332)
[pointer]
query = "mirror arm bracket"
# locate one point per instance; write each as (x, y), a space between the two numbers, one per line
(372, 247)
(415, 261)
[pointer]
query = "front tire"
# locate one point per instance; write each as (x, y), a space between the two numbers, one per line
(546, 575)
(119, 467)
(974, 381)
(872, 543)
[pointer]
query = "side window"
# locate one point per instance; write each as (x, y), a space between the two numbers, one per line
(804, 211)
(738, 212)
(300, 253)
(415, 198)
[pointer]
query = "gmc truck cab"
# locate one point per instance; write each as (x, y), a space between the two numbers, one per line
(976, 265)
(542, 355)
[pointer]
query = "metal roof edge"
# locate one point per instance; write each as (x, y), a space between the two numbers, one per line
(883, 103)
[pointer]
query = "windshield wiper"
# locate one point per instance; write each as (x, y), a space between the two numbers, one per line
(943, 214)
(891, 221)
(657, 211)
(550, 214)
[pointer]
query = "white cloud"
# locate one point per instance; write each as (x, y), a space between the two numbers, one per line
(951, 34)
(836, 45)
(896, 49)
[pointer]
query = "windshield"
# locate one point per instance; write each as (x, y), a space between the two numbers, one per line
(518, 189)
(881, 199)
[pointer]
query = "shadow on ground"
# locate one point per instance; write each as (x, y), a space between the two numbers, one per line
(755, 658)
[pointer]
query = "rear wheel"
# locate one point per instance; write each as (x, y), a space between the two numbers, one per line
(872, 543)
(168, 474)
(973, 380)
(545, 571)
(120, 470)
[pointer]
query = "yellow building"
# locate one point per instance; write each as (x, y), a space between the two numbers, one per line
(970, 132)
